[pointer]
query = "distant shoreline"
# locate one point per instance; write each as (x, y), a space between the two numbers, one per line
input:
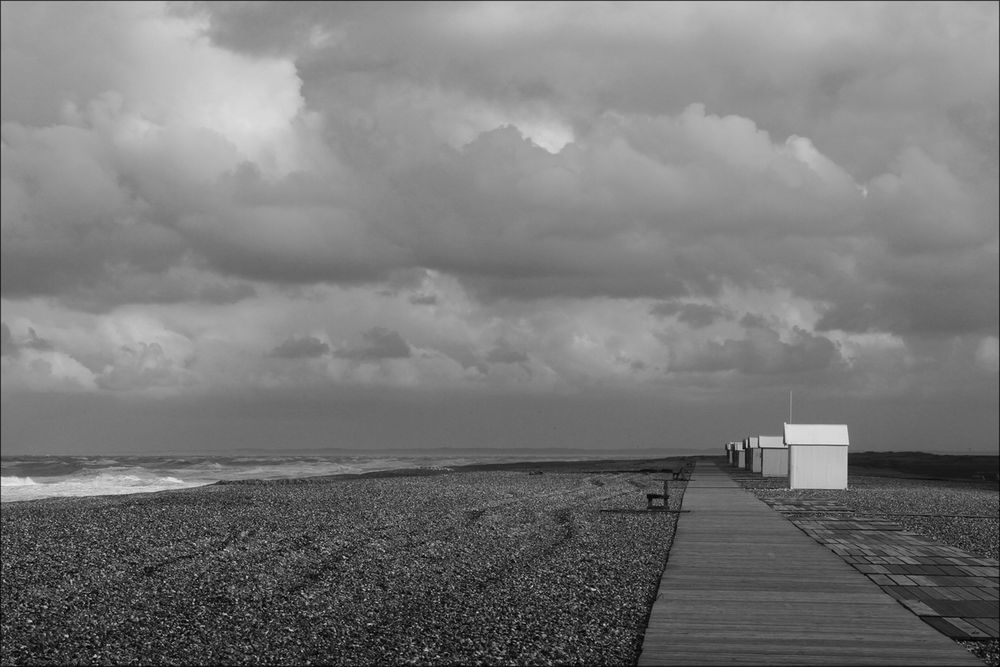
(918, 465)
(962, 468)
(603, 466)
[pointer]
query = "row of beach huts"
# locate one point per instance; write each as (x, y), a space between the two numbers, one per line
(811, 456)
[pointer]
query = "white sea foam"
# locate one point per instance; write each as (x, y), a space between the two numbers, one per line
(103, 484)
(32, 477)
(14, 481)
(107, 476)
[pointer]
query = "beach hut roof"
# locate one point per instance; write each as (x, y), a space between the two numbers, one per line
(772, 441)
(753, 441)
(816, 434)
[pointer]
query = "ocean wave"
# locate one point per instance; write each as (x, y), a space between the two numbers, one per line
(120, 479)
(32, 477)
(101, 484)
(17, 481)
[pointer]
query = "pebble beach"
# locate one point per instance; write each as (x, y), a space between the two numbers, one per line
(501, 565)
(472, 567)
(963, 515)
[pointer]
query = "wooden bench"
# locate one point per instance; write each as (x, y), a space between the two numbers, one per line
(650, 497)
(684, 474)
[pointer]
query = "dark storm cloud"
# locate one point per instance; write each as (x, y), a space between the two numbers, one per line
(753, 321)
(308, 347)
(505, 353)
(7, 345)
(586, 194)
(67, 217)
(379, 343)
(545, 51)
(423, 299)
(179, 285)
(763, 353)
(36, 343)
(697, 315)
(947, 292)
(31, 341)
(660, 201)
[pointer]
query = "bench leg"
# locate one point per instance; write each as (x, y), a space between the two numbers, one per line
(651, 496)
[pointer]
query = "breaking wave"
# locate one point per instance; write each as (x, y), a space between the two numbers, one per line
(16, 481)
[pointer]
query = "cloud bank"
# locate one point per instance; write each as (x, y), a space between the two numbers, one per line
(682, 201)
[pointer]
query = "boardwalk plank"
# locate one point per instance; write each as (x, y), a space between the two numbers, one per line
(745, 586)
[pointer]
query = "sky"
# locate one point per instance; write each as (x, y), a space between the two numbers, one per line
(513, 225)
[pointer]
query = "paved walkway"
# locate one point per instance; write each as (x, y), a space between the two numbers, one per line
(951, 590)
(743, 585)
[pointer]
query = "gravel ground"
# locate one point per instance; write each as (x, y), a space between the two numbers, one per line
(460, 568)
(891, 497)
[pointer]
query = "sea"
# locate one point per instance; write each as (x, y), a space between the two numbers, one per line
(33, 477)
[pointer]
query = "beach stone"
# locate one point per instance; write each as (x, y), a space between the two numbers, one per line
(486, 567)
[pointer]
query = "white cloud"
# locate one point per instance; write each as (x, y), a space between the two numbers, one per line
(988, 354)
(535, 197)
(34, 364)
(139, 67)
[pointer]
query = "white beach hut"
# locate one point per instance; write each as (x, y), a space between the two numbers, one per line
(817, 456)
(733, 452)
(773, 456)
(753, 456)
(739, 460)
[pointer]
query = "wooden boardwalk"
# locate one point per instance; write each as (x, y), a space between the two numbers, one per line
(953, 591)
(743, 585)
